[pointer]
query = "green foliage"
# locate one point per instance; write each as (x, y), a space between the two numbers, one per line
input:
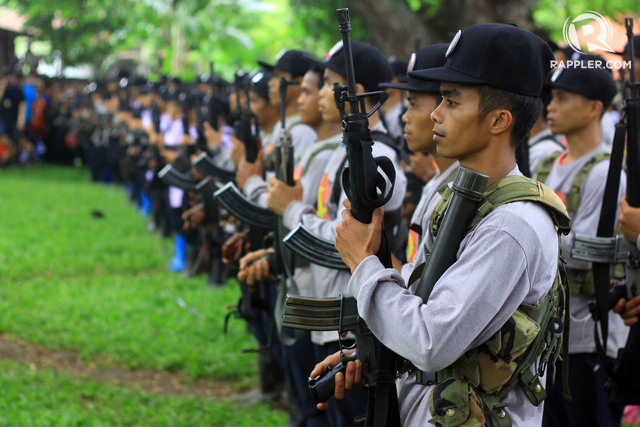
(550, 15)
(101, 285)
(42, 398)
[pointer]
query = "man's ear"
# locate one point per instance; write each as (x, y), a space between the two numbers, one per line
(500, 121)
(596, 109)
(360, 88)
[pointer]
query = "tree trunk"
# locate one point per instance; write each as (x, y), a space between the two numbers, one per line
(395, 27)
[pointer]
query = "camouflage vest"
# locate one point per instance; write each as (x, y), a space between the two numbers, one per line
(580, 281)
(469, 392)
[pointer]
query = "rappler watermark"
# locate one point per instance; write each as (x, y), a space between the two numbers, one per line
(591, 63)
(596, 33)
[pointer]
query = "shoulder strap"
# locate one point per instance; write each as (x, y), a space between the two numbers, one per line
(573, 198)
(386, 139)
(546, 165)
(547, 138)
(320, 149)
(520, 188)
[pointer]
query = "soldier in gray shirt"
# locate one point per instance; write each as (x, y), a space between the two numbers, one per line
(580, 95)
(488, 105)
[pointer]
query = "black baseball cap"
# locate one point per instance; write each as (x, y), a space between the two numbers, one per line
(295, 62)
(427, 57)
(587, 76)
(260, 82)
(499, 55)
(398, 68)
(370, 64)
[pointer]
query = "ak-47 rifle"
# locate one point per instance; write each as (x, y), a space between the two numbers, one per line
(607, 249)
(361, 183)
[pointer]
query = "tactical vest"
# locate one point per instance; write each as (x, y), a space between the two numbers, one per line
(469, 392)
(580, 281)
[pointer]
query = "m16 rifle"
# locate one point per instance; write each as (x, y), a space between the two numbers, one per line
(607, 249)
(246, 125)
(303, 242)
(361, 182)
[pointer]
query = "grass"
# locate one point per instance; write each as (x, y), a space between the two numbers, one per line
(101, 286)
(45, 397)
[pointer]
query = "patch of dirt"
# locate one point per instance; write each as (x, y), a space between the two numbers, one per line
(160, 383)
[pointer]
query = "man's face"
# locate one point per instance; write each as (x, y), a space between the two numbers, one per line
(261, 108)
(567, 111)
(418, 125)
(308, 99)
(327, 103)
(274, 88)
(458, 132)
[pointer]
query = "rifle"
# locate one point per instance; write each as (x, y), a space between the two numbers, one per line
(172, 176)
(607, 249)
(246, 126)
(361, 183)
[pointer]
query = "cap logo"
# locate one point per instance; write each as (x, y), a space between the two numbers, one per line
(257, 77)
(279, 55)
(412, 62)
(336, 47)
(556, 74)
(453, 44)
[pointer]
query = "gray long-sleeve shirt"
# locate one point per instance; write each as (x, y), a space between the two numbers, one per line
(508, 260)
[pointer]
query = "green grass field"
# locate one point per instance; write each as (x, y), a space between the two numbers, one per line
(101, 287)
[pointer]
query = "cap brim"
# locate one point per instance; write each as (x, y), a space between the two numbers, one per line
(414, 85)
(268, 67)
(444, 74)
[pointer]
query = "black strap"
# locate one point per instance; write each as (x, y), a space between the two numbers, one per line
(606, 223)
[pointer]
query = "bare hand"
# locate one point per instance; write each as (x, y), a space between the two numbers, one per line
(214, 137)
(356, 241)
(237, 150)
(280, 195)
(246, 169)
(628, 310)
(254, 267)
(629, 220)
(235, 246)
(348, 383)
(193, 217)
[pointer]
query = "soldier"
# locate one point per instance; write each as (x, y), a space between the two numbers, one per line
(299, 357)
(506, 265)
(580, 96)
(292, 65)
(396, 104)
(423, 97)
